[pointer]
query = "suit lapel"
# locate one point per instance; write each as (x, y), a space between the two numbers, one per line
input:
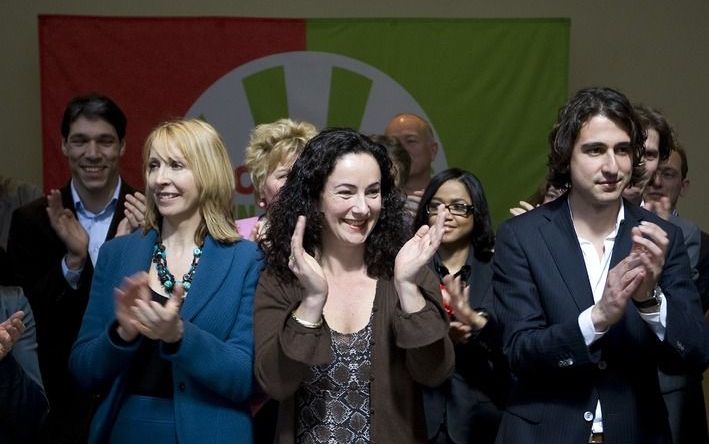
(67, 198)
(562, 242)
(623, 240)
(479, 281)
(212, 269)
(143, 253)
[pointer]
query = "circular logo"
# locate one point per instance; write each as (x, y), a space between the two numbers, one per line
(321, 88)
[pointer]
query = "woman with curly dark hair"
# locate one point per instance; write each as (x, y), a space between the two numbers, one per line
(348, 317)
(466, 409)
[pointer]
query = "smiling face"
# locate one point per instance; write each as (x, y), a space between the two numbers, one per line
(93, 150)
(601, 163)
(351, 200)
(172, 185)
(457, 229)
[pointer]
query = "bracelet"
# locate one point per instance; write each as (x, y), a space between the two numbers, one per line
(304, 323)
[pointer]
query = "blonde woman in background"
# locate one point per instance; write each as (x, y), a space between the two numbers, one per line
(272, 150)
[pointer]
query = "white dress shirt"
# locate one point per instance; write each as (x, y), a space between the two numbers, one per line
(597, 269)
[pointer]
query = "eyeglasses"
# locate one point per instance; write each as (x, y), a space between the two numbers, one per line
(456, 209)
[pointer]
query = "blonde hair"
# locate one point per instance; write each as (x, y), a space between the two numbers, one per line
(272, 143)
(207, 158)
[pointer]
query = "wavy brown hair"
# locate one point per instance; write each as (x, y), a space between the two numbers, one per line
(584, 105)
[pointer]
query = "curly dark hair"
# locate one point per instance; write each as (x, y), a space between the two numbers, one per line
(584, 105)
(300, 195)
(482, 238)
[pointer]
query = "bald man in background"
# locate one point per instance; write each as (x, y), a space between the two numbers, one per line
(416, 136)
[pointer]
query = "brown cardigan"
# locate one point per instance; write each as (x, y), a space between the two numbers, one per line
(408, 349)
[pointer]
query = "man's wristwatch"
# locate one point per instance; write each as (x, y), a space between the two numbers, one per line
(652, 301)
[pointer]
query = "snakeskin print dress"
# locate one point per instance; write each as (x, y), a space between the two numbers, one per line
(332, 404)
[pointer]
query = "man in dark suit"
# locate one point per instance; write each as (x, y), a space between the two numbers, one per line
(682, 390)
(54, 243)
(591, 292)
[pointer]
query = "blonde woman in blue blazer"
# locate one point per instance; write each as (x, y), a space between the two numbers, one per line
(167, 334)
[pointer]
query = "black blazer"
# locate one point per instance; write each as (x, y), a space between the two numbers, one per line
(703, 270)
(35, 253)
(540, 287)
(470, 400)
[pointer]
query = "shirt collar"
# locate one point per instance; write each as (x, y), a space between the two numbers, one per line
(464, 273)
(620, 218)
(79, 206)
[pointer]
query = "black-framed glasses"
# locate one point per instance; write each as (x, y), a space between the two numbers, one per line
(456, 209)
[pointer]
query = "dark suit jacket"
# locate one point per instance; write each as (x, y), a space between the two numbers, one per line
(703, 270)
(541, 286)
(212, 368)
(23, 404)
(469, 402)
(35, 253)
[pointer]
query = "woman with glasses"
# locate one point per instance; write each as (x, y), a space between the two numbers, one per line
(466, 408)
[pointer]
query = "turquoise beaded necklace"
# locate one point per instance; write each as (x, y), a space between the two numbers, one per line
(167, 279)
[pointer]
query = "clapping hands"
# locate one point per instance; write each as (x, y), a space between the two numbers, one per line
(68, 229)
(138, 314)
(134, 214)
(10, 332)
(304, 266)
(633, 277)
(459, 297)
(418, 251)
(413, 256)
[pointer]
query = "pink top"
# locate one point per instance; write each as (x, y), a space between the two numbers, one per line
(246, 226)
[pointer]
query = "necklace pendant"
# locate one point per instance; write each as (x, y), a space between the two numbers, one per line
(166, 278)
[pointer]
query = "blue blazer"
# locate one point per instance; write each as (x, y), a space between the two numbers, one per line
(541, 286)
(212, 368)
